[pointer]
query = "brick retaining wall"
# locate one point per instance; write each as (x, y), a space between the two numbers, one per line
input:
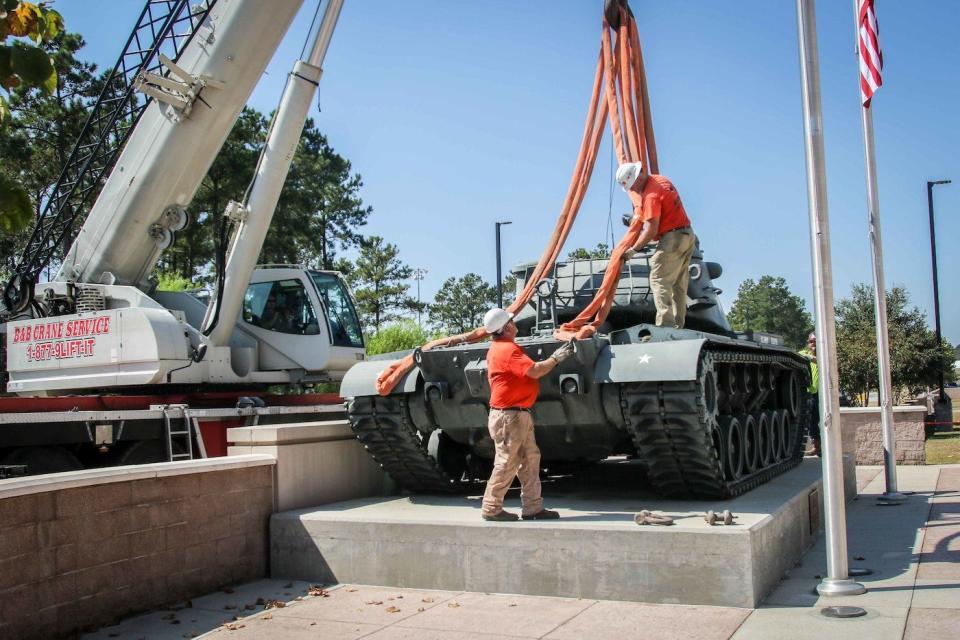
(863, 424)
(81, 549)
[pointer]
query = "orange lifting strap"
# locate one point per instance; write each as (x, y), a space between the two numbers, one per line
(621, 75)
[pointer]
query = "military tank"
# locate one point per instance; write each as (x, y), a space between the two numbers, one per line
(711, 413)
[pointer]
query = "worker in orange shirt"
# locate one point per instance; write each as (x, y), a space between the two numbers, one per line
(514, 384)
(665, 221)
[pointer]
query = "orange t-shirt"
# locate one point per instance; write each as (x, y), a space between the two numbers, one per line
(507, 367)
(661, 200)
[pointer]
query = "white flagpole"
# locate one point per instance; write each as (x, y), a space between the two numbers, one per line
(838, 581)
(890, 496)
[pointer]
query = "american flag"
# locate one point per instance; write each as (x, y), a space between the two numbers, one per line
(871, 58)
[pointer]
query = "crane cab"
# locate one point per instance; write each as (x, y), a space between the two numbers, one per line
(302, 319)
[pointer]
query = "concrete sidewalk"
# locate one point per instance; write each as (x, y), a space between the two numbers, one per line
(914, 592)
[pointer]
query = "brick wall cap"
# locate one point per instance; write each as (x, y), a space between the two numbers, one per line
(72, 479)
(876, 410)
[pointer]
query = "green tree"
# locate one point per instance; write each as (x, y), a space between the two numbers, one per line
(768, 305)
(28, 32)
(42, 129)
(320, 209)
(460, 303)
(600, 252)
(379, 281)
(317, 215)
(509, 289)
(399, 336)
(194, 255)
(167, 281)
(915, 357)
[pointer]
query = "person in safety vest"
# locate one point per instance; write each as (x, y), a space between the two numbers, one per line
(665, 221)
(810, 353)
(514, 385)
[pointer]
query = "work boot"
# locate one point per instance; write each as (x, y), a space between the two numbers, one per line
(543, 514)
(501, 516)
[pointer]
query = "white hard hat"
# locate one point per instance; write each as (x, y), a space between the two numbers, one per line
(496, 319)
(627, 174)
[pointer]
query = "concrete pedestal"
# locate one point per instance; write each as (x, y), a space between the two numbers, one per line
(595, 550)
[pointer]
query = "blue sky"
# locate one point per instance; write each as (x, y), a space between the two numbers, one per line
(458, 114)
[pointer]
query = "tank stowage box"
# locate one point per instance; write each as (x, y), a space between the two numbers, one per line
(711, 414)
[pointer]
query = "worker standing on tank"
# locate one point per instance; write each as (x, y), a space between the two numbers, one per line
(810, 353)
(665, 220)
(514, 384)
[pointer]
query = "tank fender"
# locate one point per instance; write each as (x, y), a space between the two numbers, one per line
(648, 361)
(361, 379)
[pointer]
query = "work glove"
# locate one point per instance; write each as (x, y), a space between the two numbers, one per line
(630, 254)
(564, 351)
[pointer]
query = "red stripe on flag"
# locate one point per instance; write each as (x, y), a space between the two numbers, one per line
(870, 55)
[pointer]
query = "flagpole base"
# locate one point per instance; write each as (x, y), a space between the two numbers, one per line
(837, 587)
(891, 498)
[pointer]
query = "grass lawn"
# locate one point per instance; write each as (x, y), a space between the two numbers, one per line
(944, 447)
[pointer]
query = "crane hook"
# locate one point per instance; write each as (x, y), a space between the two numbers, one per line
(611, 9)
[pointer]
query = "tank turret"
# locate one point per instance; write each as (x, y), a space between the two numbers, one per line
(573, 284)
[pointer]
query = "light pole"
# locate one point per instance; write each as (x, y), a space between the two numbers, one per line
(418, 275)
(499, 278)
(933, 256)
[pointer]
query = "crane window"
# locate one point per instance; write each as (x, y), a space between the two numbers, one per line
(281, 306)
(344, 324)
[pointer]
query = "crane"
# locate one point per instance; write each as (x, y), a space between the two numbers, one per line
(166, 109)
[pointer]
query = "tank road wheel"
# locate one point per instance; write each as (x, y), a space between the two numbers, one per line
(726, 385)
(791, 439)
(776, 437)
(749, 384)
(707, 402)
(750, 451)
(716, 437)
(764, 451)
(733, 449)
(790, 393)
(450, 455)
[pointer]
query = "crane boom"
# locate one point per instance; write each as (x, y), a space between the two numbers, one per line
(257, 213)
(194, 107)
(163, 27)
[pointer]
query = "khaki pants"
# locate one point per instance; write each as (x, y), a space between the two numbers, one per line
(517, 455)
(669, 276)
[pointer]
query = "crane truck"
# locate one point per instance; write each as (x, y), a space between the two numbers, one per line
(100, 367)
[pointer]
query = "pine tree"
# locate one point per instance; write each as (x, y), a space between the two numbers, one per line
(378, 281)
(461, 302)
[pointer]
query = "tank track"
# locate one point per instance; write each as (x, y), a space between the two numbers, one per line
(384, 427)
(681, 428)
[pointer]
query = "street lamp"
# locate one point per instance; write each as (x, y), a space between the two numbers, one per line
(418, 275)
(933, 255)
(499, 278)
